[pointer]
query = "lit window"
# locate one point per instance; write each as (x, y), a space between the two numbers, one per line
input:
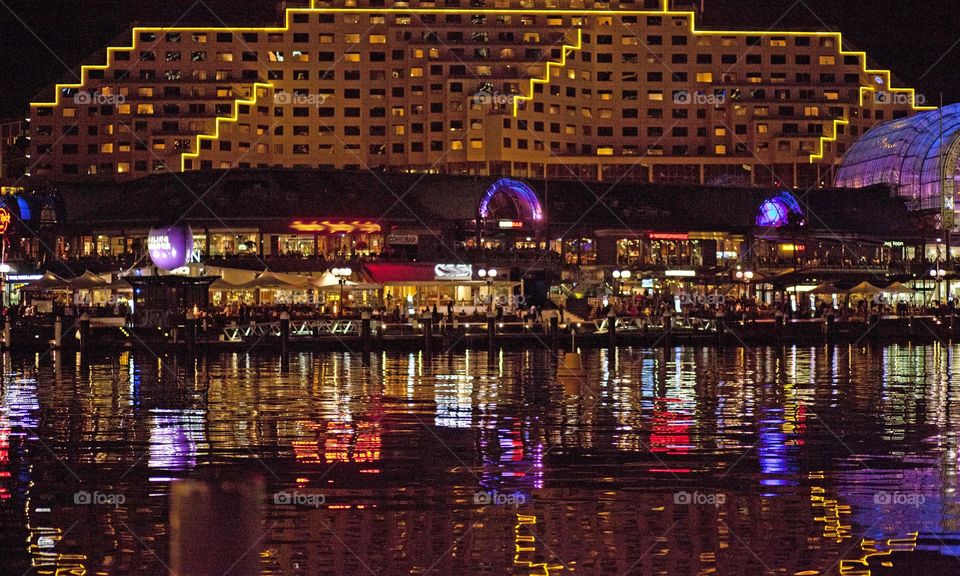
(456, 145)
(704, 76)
(351, 57)
(827, 60)
(123, 167)
(720, 150)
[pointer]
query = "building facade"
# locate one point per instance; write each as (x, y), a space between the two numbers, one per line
(530, 88)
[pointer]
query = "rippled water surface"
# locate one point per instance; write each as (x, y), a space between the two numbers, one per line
(678, 461)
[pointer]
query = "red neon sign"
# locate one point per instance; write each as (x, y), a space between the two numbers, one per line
(4, 220)
(328, 227)
(668, 236)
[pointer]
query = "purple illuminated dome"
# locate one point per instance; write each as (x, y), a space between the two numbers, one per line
(775, 212)
(170, 247)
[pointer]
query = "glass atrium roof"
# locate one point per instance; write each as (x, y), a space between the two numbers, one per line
(917, 156)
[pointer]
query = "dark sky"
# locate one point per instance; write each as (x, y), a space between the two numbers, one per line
(912, 37)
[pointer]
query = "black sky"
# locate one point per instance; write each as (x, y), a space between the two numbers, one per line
(919, 40)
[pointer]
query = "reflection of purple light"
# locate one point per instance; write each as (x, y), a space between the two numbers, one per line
(174, 436)
(775, 466)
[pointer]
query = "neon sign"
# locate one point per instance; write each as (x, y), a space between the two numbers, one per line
(4, 220)
(667, 236)
(328, 227)
(453, 271)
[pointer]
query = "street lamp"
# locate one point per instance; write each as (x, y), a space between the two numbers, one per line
(938, 274)
(620, 276)
(489, 275)
(745, 276)
(343, 275)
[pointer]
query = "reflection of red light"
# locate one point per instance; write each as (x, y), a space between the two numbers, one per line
(668, 435)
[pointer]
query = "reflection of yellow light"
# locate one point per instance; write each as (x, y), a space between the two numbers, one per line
(523, 543)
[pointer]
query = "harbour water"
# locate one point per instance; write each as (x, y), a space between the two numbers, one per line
(810, 460)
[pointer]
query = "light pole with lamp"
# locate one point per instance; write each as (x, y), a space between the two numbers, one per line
(745, 276)
(620, 276)
(343, 275)
(938, 274)
(489, 275)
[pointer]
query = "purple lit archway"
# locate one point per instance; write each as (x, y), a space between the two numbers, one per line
(511, 199)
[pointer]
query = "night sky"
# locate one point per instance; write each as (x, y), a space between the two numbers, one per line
(919, 40)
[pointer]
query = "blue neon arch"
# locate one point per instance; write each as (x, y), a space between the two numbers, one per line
(516, 193)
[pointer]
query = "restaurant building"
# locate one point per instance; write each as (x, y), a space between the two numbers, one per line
(547, 232)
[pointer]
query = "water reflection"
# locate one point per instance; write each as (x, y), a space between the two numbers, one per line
(679, 461)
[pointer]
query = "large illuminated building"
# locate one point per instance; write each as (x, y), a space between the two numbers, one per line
(632, 90)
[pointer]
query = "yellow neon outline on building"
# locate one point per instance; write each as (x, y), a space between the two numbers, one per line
(546, 75)
(233, 118)
(862, 56)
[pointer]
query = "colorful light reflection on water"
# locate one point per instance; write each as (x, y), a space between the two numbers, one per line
(684, 461)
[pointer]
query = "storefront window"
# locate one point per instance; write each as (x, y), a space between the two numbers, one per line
(582, 251)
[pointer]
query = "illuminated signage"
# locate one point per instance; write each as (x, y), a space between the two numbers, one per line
(4, 220)
(403, 239)
(681, 273)
(793, 247)
(453, 271)
(11, 190)
(19, 278)
(510, 224)
(665, 236)
(329, 227)
(170, 248)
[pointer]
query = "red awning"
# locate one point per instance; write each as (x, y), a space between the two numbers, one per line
(386, 273)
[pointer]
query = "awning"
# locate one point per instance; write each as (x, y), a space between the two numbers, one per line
(275, 281)
(49, 281)
(88, 281)
(388, 274)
